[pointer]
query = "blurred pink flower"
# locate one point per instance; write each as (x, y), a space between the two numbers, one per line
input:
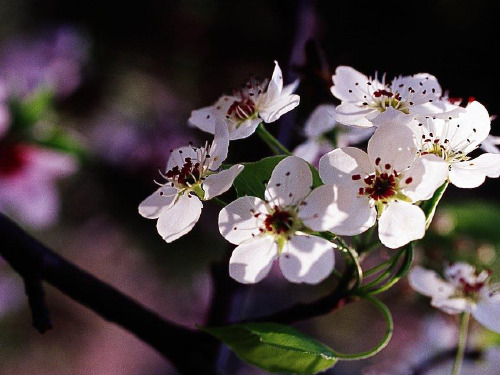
(28, 175)
(52, 60)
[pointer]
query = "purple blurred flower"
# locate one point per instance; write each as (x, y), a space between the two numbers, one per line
(28, 175)
(53, 60)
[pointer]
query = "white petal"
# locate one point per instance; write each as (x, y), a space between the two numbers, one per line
(472, 173)
(400, 223)
(273, 110)
(320, 121)
(275, 86)
(338, 210)
(220, 182)
(487, 310)
(241, 219)
(290, 182)
(428, 283)
(339, 165)
(471, 127)
(394, 145)
(179, 218)
(349, 84)
(252, 260)
(392, 116)
(203, 119)
(450, 305)
(220, 145)
(156, 203)
(307, 259)
(426, 174)
(354, 114)
(245, 129)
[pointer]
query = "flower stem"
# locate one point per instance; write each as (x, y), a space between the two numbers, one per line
(462, 341)
(272, 142)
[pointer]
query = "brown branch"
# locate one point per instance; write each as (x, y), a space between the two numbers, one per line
(189, 350)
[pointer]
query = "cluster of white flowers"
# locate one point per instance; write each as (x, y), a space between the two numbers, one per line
(419, 139)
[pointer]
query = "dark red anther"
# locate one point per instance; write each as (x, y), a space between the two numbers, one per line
(382, 92)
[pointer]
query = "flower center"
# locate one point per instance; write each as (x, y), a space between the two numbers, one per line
(187, 175)
(12, 159)
(242, 110)
(384, 99)
(279, 222)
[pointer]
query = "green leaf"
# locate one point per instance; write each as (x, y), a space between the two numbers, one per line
(251, 181)
(29, 111)
(275, 347)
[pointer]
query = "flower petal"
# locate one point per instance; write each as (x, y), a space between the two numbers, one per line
(244, 129)
(338, 210)
(392, 145)
(425, 175)
(241, 219)
(354, 115)
(428, 283)
(277, 101)
(220, 145)
(156, 203)
(218, 183)
(252, 260)
(487, 310)
(400, 223)
(179, 218)
(338, 166)
(472, 173)
(320, 120)
(470, 128)
(349, 84)
(205, 118)
(451, 305)
(307, 259)
(290, 182)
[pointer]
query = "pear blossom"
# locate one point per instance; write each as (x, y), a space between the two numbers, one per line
(386, 181)
(454, 139)
(323, 133)
(192, 175)
(247, 107)
(280, 227)
(463, 289)
(367, 102)
(28, 182)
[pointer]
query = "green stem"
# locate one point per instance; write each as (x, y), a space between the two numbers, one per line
(402, 271)
(385, 340)
(462, 341)
(272, 142)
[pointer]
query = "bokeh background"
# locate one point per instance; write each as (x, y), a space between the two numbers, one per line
(123, 78)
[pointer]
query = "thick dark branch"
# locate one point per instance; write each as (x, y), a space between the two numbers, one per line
(189, 350)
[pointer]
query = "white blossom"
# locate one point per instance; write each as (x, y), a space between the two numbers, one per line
(462, 289)
(367, 102)
(454, 139)
(247, 107)
(192, 175)
(280, 227)
(386, 182)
